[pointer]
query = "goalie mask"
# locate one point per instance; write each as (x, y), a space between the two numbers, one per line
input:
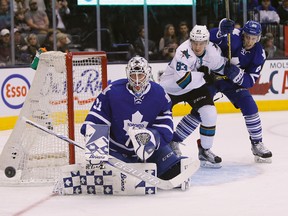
(138, 73)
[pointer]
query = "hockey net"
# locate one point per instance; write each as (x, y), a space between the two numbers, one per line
(61, 94)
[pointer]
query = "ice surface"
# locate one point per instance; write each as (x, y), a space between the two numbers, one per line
(239, 188)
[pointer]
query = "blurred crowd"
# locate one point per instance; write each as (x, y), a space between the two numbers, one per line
(33, 28)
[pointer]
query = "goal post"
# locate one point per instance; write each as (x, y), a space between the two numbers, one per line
(63, 90)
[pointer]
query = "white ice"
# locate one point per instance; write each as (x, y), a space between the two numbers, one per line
(240, 188)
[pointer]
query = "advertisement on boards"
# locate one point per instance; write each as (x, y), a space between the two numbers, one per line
(16, 82)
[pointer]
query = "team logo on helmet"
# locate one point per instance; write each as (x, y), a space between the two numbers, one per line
(199, 33)
(253, 28)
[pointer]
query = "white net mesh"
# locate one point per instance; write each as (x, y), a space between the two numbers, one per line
(35, 155)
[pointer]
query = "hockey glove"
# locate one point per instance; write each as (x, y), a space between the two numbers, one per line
(234, 73)
(209, 77)
(226, 26)
(145, 141)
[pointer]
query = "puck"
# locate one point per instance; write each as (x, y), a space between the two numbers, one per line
(10, 172)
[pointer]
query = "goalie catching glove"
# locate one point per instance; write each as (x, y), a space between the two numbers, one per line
(145, 141)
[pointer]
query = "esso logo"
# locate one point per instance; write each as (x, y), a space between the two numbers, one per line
(14, 90)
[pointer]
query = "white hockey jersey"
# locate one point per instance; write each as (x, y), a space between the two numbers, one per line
(181, 75)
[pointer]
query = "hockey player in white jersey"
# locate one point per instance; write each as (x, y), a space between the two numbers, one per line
(137, 110)
(244, 69)
(184, 81)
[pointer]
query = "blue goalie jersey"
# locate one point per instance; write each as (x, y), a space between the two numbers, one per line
(118, 107)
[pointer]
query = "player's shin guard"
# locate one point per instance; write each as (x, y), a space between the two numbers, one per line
(186, 127)
(254, 127)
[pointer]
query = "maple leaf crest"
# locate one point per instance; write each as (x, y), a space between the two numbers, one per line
(136, 122)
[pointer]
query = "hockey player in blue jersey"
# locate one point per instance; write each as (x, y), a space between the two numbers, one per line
(137, 104)
(184, 81)
(247, 59)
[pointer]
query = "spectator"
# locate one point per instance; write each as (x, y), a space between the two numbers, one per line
(41, 4)
(62, 12)
(184, 32)
(251, 4)
(19, 5)
(283, 12)
(5, 47)
(20, 22)
(268, 45)
(139, 45)
(5, 16)
(20, 46)
(168, 43)
(36, 19)
(266, 13)
(251, 7)
(33, 46)
(62, 42)
(48, 41)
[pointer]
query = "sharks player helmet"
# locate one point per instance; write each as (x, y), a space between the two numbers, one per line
(199, 33)
(253, 28)
(138, 72)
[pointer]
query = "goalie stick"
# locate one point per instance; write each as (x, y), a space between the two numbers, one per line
(126, 168)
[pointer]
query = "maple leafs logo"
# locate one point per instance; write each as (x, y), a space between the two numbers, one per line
(260, 89)
(135, 123)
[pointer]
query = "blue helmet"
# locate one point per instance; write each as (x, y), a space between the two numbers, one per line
(252, 28)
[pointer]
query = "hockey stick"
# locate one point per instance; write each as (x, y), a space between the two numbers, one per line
(126, 168)
(229, 35)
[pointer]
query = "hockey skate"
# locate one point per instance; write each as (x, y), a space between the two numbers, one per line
(175, 147)
(207, 158)
(261, 153)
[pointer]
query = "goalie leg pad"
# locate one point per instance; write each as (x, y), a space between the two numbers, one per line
(165, 159)
(76, 179)
(97, 143)
(185, 162)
